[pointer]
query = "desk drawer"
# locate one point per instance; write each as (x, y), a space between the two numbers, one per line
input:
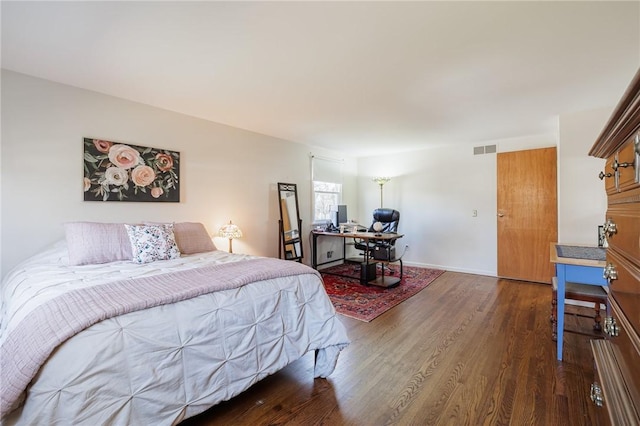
(581, 274)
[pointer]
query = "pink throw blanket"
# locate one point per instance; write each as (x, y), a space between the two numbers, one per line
(31, 342)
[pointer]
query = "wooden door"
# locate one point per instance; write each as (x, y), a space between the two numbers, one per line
(527, 213)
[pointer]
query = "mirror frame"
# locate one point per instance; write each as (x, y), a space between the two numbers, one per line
(294, 252)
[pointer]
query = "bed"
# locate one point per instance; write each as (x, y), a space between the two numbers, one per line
(152, 342)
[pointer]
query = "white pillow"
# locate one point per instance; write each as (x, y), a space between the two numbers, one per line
(152, 242)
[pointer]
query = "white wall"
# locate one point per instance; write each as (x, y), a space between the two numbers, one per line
(582, 202)
(226, 173)
(437, 189)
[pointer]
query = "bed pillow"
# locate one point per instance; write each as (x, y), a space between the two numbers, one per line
(192, 237)
(94, 242)
(150, 243)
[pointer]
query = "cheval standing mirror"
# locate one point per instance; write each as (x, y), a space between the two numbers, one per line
(290, 222)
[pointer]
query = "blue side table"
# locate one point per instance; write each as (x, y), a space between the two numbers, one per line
(577, 264)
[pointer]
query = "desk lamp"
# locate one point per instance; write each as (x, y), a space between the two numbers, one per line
(378, 227)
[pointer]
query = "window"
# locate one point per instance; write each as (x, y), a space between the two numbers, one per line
(326, 179)
(326, 196)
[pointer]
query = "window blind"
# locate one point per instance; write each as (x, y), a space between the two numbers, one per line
(326, 169)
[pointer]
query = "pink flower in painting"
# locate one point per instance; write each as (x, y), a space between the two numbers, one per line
(164, 162)
(156, 192)
(102, 146)
(115, 176)
(124, 156)
(143, 175)
(87, 184)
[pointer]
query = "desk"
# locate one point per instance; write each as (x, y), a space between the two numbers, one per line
(575, 270)
(383, 281)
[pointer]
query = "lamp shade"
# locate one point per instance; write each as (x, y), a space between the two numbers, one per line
(230, 231)
(381, 180)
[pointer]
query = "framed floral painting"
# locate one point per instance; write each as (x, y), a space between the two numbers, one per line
(123, 172)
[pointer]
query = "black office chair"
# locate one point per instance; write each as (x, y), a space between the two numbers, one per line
(383, 250)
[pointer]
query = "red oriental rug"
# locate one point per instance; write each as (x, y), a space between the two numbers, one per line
(365, 303)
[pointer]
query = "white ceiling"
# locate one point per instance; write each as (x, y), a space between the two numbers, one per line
(361, 77)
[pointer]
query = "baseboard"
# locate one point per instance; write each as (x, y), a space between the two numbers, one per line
(453, 269)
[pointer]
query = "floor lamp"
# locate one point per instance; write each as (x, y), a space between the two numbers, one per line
(381, 181)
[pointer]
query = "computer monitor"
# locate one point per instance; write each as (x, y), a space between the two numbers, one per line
(339, 215)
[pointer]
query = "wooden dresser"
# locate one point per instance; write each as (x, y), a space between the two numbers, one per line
(617, 358)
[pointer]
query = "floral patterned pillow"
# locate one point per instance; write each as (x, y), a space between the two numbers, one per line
(152, 242)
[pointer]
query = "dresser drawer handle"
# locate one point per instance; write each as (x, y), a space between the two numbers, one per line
(610, 273)
(617, 165)
(611, 328)
(610, 227)
(603, 175)
(596, 394)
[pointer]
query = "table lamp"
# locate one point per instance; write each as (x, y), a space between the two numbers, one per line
(231, 232)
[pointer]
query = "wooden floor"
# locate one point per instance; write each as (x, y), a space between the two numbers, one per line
(467, 350)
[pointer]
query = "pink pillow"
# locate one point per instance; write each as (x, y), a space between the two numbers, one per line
(192, 237)
(93, 242)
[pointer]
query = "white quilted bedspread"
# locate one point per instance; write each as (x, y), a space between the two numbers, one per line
(167, 363)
